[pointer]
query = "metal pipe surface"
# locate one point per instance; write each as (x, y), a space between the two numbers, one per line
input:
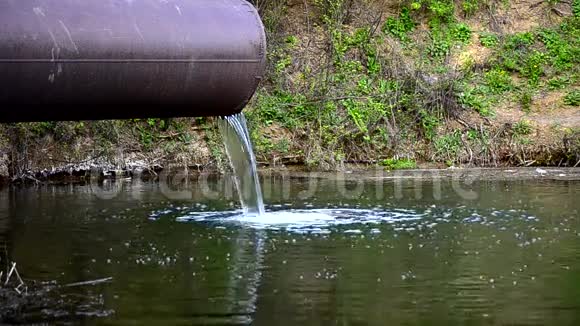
(116, 59)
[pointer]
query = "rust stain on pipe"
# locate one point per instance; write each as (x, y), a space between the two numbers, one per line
(96, 59)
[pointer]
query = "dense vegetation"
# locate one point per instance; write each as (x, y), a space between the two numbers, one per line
(379, 82)
(386, 88)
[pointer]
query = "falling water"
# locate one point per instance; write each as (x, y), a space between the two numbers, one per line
(236, 139)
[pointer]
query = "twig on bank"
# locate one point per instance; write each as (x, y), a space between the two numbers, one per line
(14, 271)
(92, 282)
(463, 123)
(534, 5)
(9, 275)
(530, 163)
(558, 12)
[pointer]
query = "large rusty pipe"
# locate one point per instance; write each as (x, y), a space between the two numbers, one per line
(116, 59)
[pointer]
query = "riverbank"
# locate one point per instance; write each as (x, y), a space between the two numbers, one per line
(434, 83)
(351, 173)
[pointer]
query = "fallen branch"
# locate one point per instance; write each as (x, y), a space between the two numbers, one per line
(93, 282)
(9, 275)
(558, 12)
(530, 163)
(13, 271)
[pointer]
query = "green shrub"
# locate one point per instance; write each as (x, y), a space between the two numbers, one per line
(283, 63)
(522, 127)
(442, 11)
(429, 124)
(439, 47)
(519, 41)
(448, 146)
(291, 41)
(472, 98)
(558, 82)
(526, 97)
(488, 40)
(533, 67)
(498, 80)
(461, 33)
(572, 98)
(561, 52)
(399, 27)
(470, 6)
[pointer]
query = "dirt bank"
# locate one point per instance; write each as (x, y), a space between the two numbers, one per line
(435, 83)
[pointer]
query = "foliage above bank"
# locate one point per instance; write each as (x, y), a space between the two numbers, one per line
(387, 84)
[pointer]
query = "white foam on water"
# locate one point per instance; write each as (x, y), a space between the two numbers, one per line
(307, 220)
(286, 218)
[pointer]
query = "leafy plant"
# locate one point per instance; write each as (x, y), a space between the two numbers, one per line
(572, 98)
(442, 11)
(561, 51)
(429, 124)
(291, 41)
(519, 41)
(357, 114)
(522, 127)
(558, 82)
(439, 47)
(470, 6)
(472, 97)
(399, 27)
(283, 63)
(533, 67)
(488, 40)
(461, 33)
(498, 80)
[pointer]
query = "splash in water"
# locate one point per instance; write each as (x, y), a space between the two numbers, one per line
(238, 146)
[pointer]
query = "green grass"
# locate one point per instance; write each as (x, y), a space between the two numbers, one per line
(470, 7)
(447, 147)
(488, 40)
(401, 26)
(526, 98)
(498, 80)
(475, 98)
(399, 164)
(522, 128)
(558, 82)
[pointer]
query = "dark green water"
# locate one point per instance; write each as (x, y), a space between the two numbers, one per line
(509, 253)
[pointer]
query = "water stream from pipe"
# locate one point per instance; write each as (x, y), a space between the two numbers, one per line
(239, 150)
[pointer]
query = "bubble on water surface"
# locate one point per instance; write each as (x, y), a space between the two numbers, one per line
(305, 220)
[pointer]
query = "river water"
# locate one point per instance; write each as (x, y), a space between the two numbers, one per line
(354, 252)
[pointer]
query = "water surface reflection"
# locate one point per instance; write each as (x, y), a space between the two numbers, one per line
(510, 256)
